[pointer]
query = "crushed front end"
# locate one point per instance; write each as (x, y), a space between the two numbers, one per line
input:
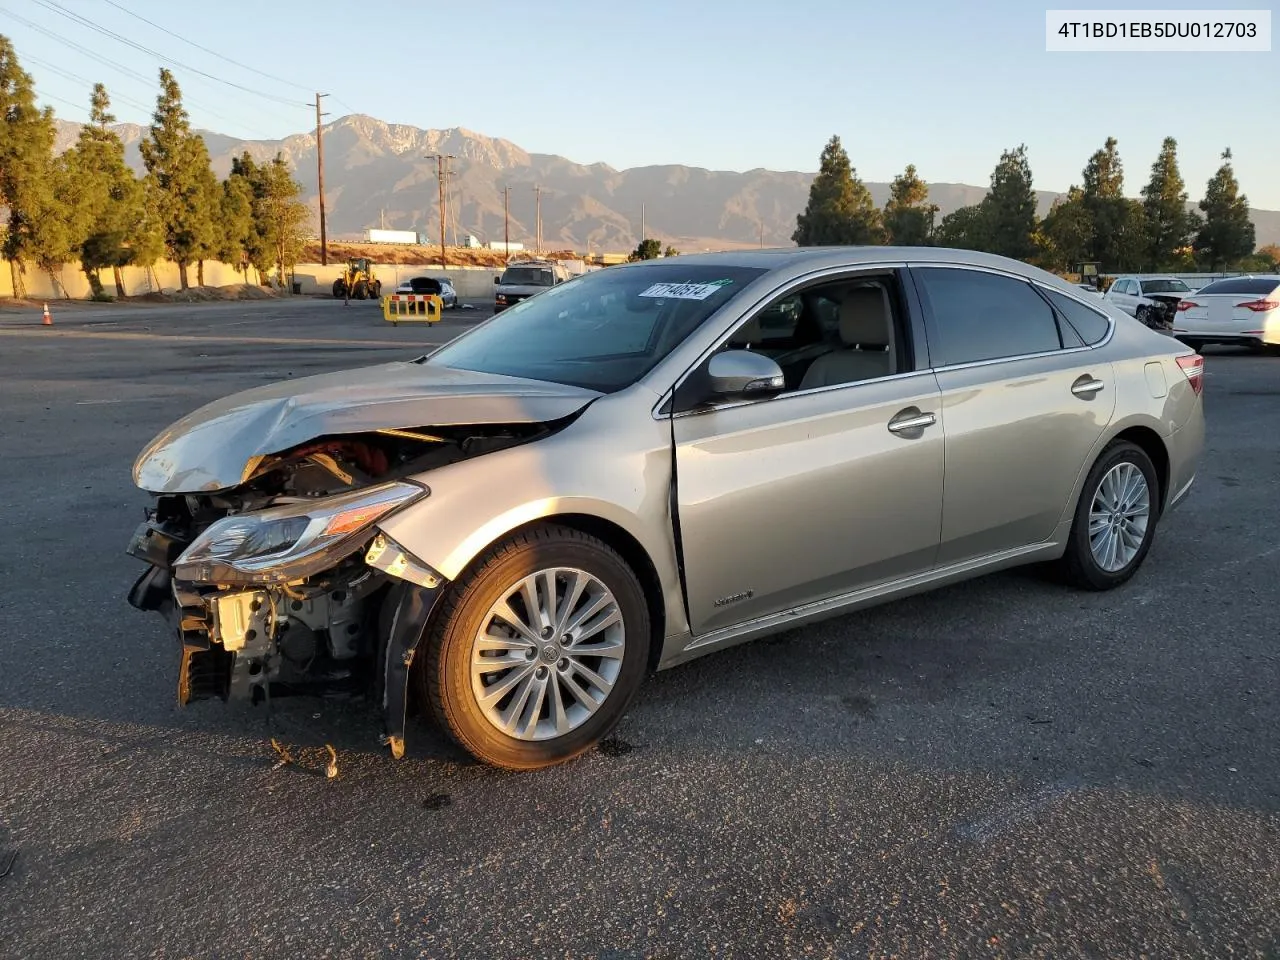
(284, 585)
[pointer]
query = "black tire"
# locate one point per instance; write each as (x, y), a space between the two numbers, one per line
(1078, 564)
(375, 291)
(1144, 315)
(339, 288)
(1196, 345)
(442, 670)
(360, 290)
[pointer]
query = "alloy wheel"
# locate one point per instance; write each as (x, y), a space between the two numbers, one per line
(547, 654)
(1119, 516)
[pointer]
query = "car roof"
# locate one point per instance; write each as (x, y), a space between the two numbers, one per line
(800, 260)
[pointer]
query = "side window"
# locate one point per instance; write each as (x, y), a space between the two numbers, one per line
(1091, 325)
(1129, 288)
(771, 329)
(984, 316)
(835, 332)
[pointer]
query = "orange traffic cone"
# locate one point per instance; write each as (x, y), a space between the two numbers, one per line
(47, 320)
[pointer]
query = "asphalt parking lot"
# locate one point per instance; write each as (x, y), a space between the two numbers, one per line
(1001, 769)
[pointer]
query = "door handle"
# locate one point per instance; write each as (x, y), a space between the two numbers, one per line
(1087, 386)
(911, 419)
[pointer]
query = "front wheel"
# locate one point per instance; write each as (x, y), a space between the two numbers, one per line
(1115, 520)
(339, 288)
(537, 652)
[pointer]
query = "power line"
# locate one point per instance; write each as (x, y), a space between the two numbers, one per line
(75, 77)
(106, 61)
(52, 96)
(215, 53)
(76, 18)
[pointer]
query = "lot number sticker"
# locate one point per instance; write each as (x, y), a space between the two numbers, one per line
(684, 291)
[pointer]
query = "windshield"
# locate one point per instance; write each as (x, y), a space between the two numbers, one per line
(1164, 286)
(604, 330)
(531, 276)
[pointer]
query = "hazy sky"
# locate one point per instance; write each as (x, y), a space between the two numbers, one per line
(713, 83)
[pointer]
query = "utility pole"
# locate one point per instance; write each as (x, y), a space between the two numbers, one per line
(442, 168)
(506, 221)
(324, 243)
(761, 234)
(537, 218)
(642, 223)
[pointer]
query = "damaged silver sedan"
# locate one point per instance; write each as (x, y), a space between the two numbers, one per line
(650, 463)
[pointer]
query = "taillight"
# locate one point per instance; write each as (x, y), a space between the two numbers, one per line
(1186, 305)
(1260, 306)
(1193, 367)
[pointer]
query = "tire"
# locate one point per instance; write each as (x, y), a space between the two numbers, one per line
(1196, 345)
(375, 291)
(1079, 565)
(1144, 315)
(360, 290)
(339, 288)
(443, 672)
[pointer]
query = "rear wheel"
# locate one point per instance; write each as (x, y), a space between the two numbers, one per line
(339, 288)
(536, 654)
(375, 290)
(1115, 520)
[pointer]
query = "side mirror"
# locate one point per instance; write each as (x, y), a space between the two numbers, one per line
(741, 373)
(497, 280)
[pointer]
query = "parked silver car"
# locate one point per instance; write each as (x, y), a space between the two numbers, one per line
(1153, 300)
(650, 463)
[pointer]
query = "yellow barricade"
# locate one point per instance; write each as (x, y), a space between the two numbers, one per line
(423, 307)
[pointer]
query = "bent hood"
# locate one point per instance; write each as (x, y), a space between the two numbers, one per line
(215, 447)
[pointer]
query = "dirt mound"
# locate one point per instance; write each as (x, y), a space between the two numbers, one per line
(417, 255)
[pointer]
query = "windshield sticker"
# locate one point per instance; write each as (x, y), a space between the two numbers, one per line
(684, 291)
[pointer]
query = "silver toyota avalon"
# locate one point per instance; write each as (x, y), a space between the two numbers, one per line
(650, 463)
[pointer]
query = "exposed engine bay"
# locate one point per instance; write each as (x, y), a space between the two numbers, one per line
(253, 626)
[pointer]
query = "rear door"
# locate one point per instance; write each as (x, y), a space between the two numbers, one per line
(1024, 399)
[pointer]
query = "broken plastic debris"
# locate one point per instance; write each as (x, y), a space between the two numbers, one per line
(331, 770)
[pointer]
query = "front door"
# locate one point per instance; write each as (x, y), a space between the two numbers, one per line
(1023, 400)
(819, 490)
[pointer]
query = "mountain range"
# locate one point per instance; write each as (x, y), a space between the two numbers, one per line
(381, 174)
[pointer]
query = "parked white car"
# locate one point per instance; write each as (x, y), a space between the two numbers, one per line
(1237, 310)
(1153, 300)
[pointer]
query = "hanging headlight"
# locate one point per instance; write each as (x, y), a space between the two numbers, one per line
(292, 541)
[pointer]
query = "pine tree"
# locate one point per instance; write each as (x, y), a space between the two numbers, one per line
(177, 162)
(1169, 224)
(257, 246)
(963, 229)
(1069, 229)
(27, 188)
(1009, 208)
(908, 215)
(1228, 234)
(279, 214)
(106, 198)
(237, 233)
(1104, 201)
(840, 208)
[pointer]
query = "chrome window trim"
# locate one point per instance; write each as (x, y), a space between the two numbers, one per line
(783, 397)
(784, 290)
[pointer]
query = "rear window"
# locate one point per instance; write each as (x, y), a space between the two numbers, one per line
(1164, 286)
(1247, 285)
